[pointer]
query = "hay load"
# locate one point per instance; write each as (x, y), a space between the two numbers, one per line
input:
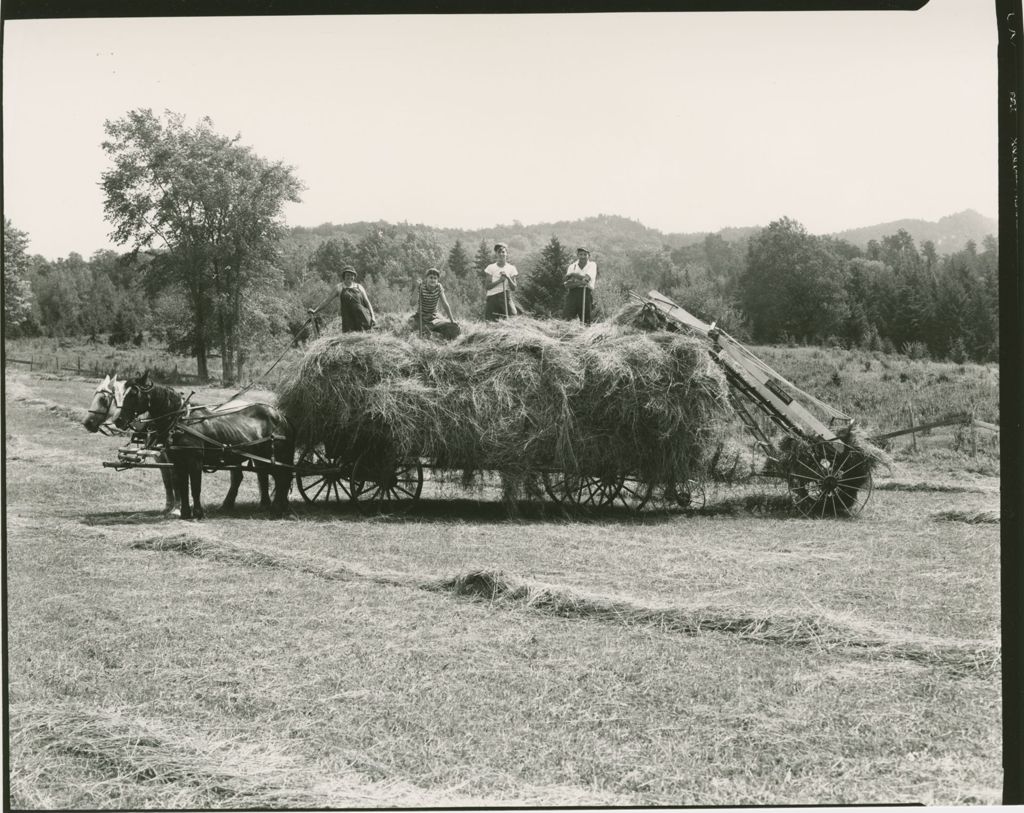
(518, 397)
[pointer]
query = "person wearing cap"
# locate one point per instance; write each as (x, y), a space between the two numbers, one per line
(579, 281)
(429, 295)
(353, 303)
(499, 281)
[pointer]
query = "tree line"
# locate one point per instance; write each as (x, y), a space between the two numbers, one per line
(210, 266)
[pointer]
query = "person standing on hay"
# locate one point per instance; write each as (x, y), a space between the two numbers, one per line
(499, 281)
(354, 305)
(579, 282)
(426, 319)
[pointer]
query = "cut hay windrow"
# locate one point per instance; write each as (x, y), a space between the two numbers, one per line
(980, 517)
(515, 397)
(785, 629)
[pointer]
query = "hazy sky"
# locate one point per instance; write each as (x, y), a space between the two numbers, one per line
(683, 121)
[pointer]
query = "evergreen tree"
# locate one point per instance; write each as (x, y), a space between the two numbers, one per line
(458, 260)
(484, 256)
(542, 292)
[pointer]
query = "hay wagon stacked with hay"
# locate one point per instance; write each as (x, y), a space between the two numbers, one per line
(591, 417)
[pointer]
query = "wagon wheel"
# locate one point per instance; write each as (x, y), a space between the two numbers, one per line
(828, 483)
(330, 483)
(633, 493)
(686, 496)
(581, 491)
(384, 485)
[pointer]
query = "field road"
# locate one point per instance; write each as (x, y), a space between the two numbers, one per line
(456, 657)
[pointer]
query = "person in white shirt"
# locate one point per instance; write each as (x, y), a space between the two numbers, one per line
(500, 281)
(580, 278)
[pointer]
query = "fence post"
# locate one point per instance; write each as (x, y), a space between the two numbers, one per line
(79, 365)
(913, 422)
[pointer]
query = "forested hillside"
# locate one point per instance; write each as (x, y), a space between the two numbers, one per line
(773, 284)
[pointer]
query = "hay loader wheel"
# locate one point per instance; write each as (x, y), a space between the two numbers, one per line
(385, 486)
(324, 479)
(580, 491)
(828, 483)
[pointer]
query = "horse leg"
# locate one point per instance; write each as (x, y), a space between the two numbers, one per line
(181, 475)
(264, 480)
(171, 502)
(236, 481)
(285, 455)
(196, 481)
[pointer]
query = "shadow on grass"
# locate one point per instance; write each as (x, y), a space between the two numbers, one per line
(444, 510)
(242, 510)
(484, 511)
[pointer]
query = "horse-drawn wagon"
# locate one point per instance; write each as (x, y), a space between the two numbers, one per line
(591, 417)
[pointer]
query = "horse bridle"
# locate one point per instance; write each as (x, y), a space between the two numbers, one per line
(104, 427)
(143, 400)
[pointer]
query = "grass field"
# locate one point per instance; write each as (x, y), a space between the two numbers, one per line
(455, 657)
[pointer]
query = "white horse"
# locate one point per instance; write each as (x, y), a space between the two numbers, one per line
(104, 410)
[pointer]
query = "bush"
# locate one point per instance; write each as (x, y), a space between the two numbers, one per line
(916, 350)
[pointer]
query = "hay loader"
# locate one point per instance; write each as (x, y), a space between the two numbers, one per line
(827, 473)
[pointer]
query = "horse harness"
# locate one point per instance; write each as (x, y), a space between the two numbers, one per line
(182, 421)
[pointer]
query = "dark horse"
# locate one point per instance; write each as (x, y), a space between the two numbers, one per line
(218, 437)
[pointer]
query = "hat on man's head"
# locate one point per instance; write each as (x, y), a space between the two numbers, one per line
(433, 271)
(500, 245)
(583, 248)
(349, 269)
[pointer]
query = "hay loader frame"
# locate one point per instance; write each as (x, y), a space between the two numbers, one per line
(826, 475)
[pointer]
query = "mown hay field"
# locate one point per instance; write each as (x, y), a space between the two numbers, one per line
(456, 657)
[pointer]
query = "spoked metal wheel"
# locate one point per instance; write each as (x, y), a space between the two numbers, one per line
(633, 493)
(381, 486)
(828, 482)
(580, 491)
(320, 477)
(686, 496)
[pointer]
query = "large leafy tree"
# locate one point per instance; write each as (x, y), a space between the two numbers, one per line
(214, 208)
(330, 257)
(793, 285)
(17, 291)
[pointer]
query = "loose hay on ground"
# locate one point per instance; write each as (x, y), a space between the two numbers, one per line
(970, 517)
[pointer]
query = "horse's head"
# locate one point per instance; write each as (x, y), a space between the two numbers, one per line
(105, 406)
(136, 400)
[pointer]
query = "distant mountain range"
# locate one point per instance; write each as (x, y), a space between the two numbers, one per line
(949, 234)
(616, 234)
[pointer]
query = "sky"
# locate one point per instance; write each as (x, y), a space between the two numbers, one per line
(683, 121)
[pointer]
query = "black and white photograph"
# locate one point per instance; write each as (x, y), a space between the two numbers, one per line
(507, 410)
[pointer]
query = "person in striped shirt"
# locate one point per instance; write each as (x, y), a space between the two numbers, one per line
(429, 295)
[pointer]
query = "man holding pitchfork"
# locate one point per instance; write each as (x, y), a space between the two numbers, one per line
(499, 280)
(579, 281)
